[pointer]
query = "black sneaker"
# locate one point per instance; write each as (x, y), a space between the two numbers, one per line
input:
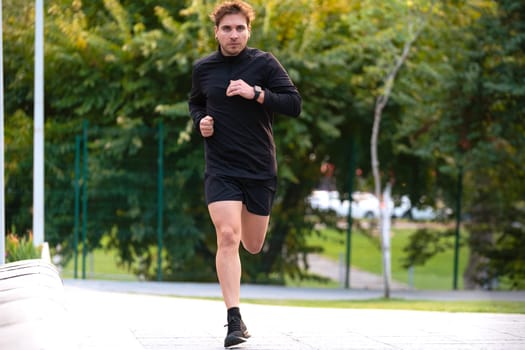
(237, 332)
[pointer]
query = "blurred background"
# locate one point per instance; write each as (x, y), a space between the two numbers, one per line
(432, 90)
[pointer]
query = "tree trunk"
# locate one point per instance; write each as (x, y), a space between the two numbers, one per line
(381, 102)
(476, 274)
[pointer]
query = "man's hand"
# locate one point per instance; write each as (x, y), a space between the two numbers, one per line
(241, 88)
(206, 126)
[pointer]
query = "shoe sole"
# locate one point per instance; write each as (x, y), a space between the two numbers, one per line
(233, 341)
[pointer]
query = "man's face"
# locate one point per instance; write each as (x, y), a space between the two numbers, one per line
(233, 34)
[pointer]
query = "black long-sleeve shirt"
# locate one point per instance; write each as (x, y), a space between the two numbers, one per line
(242, 144)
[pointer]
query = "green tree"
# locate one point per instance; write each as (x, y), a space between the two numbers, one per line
(467, 127)
(496, 147)
(18, 31)
(127, 75)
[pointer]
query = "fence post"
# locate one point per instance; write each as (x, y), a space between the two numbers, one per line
(351, 174)
(77, 202)
(160, 198)
(458, 226)
(84, 196)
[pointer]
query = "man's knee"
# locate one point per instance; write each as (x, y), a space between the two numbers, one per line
(227, 237)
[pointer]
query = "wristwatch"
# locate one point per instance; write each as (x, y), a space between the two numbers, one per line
(257, 89)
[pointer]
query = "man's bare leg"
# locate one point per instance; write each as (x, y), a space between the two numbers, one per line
(226, 216)
(234, 223)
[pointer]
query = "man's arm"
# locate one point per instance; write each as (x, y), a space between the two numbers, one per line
(197, 101)
(281, 95)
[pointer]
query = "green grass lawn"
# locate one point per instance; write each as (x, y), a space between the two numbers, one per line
(436, 274)
(101, 264)
(510, 307)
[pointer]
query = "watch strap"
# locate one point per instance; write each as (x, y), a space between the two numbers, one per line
(257, 90)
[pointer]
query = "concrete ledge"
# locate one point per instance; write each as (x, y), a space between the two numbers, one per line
(32, 307)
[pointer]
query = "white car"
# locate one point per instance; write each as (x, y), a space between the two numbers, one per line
(324, 200)
(364, 204)
(406, 210)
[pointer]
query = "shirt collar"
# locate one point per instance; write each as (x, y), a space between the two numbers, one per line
(241, 55)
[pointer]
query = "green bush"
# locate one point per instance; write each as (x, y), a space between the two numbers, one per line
(20, 248)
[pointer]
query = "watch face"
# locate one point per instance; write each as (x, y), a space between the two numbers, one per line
(257, 88)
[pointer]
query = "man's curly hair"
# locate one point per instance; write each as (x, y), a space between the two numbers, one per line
(230, 8)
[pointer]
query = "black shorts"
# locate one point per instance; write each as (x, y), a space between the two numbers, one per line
(257, 195)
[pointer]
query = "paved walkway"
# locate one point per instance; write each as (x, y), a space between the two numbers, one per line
(359, 279)
(140, 315)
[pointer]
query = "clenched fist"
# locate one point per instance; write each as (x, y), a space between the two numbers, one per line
(206, 126)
